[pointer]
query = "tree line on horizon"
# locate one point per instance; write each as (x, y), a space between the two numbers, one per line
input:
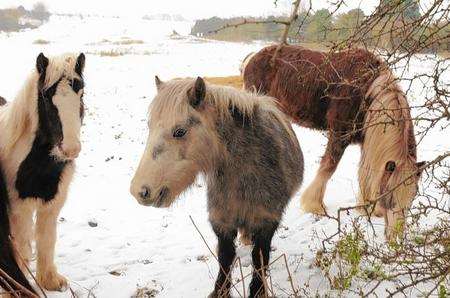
(18, 18)
(325, 28)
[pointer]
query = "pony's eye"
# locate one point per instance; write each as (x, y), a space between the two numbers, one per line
(77, 85)
(179, 133)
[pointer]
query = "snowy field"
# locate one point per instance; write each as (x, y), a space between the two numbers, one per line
(109, 245)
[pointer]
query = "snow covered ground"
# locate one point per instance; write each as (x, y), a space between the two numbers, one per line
(132, 246)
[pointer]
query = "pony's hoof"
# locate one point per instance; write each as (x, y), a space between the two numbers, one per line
(313, 208)
(316, 211)
(52, 281)
(311, 202)
(368, 210)
(377, 213)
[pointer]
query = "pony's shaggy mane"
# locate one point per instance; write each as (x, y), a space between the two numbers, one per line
(389, 135)
(173, 97)
(20, 115)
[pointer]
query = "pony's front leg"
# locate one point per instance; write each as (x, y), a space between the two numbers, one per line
(22, 229)
(312, 198)
(262, 238)
(46, 222)
(226, 254)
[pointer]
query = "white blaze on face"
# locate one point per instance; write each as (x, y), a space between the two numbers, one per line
(68, 104)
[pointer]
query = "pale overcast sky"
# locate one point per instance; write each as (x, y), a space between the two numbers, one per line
(191, 9)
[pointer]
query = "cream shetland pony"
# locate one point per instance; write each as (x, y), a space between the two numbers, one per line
(39, 143)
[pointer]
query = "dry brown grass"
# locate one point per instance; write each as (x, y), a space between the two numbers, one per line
(41, 41)
(128, 42)
(110, 53)
(232, 81)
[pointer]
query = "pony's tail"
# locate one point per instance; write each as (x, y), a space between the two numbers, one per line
(8, 262)
(245, 61)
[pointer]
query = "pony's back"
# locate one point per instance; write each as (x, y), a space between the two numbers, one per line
(314, 88)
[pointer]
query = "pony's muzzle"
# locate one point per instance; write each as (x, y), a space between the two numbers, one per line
(141, 193)
(145, 196)
(145, 193)
(394, 224)
(70, 151)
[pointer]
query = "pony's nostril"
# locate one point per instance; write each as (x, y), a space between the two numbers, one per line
(163, 193)
(145, 193)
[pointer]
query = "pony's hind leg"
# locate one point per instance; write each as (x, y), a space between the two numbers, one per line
(226, 254)
(262, 238)
(312, 198)
(46, 222)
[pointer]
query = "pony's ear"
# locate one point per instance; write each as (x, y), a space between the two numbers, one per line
(158, 83)
(79, 66)
(419, 166)
(390, 166)
(197, 93)
(41, 63)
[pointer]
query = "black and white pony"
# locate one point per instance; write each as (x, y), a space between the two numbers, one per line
(39, 141)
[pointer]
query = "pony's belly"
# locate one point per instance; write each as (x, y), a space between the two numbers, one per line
(240, 214)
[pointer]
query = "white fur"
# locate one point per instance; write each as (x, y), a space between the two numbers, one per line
(19, 122)
(68, 104)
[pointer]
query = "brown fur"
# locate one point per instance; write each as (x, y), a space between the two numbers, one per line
(336, 92)
(317, 89)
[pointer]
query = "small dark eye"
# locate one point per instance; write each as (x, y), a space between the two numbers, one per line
(77, 85)
(179, 133)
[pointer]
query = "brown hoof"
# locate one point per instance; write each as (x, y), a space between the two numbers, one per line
(52, 281)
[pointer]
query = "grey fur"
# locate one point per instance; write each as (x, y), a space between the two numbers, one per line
(263, 172)
(157, 151)
(250, 188)
(248, 152)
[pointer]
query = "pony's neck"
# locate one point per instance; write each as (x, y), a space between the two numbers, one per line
(19, 118)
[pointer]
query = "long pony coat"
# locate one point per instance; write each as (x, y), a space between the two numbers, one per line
(354, 96)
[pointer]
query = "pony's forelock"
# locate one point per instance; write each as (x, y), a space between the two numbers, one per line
(61, 66)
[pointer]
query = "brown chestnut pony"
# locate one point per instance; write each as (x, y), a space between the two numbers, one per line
(353, 96)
